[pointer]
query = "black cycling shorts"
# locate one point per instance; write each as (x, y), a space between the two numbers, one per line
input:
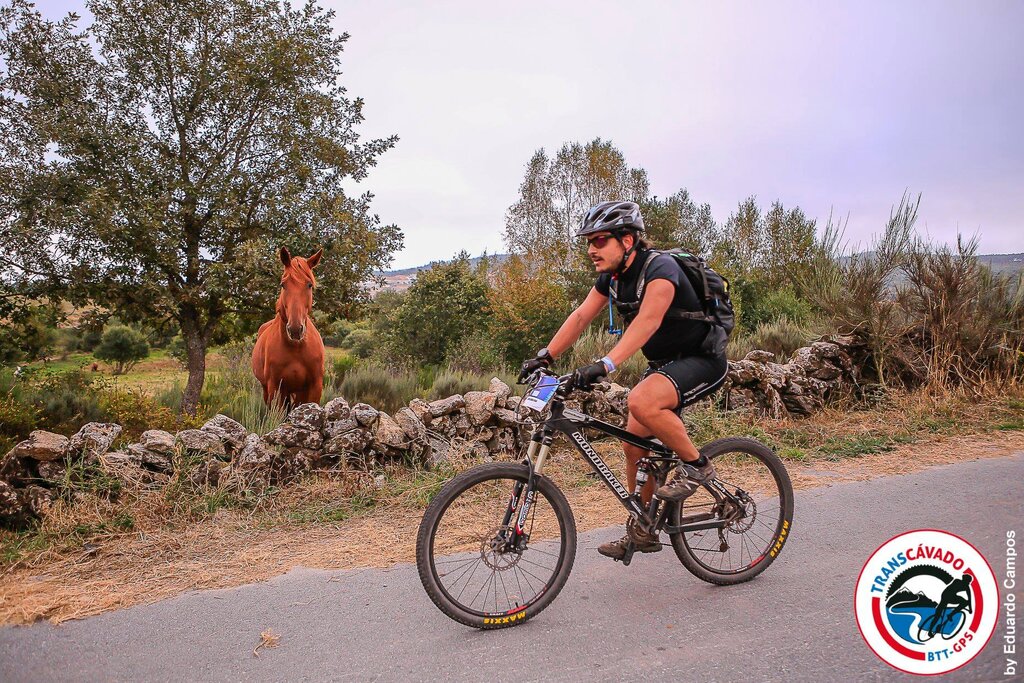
(693, 376)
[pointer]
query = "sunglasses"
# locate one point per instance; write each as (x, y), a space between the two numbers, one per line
(600, 240)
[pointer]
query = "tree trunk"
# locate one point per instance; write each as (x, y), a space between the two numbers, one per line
(195, 345)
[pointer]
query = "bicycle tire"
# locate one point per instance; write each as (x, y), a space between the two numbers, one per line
(783, 526)
(432, 517)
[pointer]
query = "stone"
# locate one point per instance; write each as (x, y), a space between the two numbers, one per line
(439, 450)
(113, 459)
(480, 406)
(199, 441)
(158, 441)
(505, 417)
(308, 416)
(205, 474)
(351, 443)
(446, 406)
(501, 390)
(478, 451)
(758, 356)
(288, 435)
(42, 445)
(231, 432)
(482, 434)
(341, 426)
(93, 440)
(365, 415)
(12, 509)
(504, 441)
(462, 424)
(15, 470)
(411, 425)
(161, 462)
(388, 433)
(421, 409)
(337, 409)
(36, 499)
(51, 471)
(512, 402)
(292, 463)
(255, 453)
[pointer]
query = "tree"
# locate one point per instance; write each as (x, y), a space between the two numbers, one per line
(29, 333)
(122, 346)
(153, 162)
(445, 303)
(679, 222)
(554, 196)
(526, 307)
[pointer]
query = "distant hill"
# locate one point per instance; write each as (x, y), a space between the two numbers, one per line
(398, 280)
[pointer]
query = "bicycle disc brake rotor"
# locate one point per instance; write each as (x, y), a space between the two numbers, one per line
(742, 518)
(495, 550)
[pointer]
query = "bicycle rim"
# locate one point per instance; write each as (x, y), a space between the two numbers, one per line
(473, 566)
(756, 534)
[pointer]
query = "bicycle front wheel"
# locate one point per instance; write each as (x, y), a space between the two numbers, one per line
(474, 565)
(758, 517)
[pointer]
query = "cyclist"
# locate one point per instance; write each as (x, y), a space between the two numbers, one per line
(686, 357)
(951, 600)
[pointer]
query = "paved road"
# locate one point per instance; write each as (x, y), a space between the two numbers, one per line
(794, 623)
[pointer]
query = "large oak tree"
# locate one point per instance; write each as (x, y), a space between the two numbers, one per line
(152, 162)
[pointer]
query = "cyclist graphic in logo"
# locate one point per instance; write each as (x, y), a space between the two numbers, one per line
(926, 602)
(913, 613)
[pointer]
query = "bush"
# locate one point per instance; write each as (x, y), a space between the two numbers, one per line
(123, 346)
(380, 387)
(782, 337)
(475, 353)
(341, 366)
(451, 382)
(774, 305)
(361, 342)
(334, 333)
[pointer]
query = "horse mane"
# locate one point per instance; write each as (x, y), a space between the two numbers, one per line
(299, 263)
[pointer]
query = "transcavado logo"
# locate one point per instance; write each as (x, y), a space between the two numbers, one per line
(926, 602)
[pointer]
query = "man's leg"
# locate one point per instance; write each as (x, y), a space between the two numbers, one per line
(652, 403)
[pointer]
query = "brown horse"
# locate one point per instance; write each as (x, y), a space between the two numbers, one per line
(288, 358)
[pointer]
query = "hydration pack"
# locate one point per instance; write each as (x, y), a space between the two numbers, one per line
(712, 290)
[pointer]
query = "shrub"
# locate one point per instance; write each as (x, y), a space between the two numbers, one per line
(475, 353)
(122, 346)
(361, 342)
(775, 304)
(782, 337)
(341, 366)
(451, 382)
(334, 333)
(380, 387)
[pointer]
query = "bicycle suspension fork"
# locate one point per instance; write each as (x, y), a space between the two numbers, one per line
(536, 456)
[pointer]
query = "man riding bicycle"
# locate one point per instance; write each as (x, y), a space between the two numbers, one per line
(950, 601)
(686, 354)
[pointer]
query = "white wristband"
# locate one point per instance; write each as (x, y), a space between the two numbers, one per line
(608, 363)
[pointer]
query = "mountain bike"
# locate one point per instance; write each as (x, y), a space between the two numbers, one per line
(497, 543)
(932, 626)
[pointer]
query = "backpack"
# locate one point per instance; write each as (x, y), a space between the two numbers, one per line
(711, 288)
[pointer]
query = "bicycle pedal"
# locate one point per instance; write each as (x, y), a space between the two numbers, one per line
(627, 557)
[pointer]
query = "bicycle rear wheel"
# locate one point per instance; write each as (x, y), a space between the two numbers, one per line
(756, 529)
(467, 564)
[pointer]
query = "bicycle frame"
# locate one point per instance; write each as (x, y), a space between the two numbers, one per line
(571, 423)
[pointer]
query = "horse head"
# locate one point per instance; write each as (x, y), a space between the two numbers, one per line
(296, 299)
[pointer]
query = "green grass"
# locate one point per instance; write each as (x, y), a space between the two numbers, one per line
(335, 510)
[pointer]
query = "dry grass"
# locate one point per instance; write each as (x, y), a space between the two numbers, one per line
(177, 544)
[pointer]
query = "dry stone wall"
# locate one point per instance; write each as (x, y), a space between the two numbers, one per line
(480, 425)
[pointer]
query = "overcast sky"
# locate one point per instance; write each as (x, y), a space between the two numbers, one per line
(828, 106)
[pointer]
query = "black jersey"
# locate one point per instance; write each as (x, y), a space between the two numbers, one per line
(674, 338)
